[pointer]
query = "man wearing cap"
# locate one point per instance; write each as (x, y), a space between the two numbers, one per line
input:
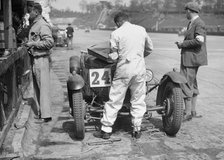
(40, 41)
(193, 55)
(69, 32)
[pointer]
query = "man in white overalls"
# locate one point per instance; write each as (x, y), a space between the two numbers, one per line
(129, 43)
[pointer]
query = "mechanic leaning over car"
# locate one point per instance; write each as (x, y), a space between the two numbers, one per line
(129, 44)
(193, 55)
(40, 41)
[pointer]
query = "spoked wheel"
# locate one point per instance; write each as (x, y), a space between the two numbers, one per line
(78, 114)
(172, 99)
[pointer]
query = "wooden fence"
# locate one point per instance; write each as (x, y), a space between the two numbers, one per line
(14, 78)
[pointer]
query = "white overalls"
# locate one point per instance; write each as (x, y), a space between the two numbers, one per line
(131, 41)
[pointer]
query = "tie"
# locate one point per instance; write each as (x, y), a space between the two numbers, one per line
(188, 26)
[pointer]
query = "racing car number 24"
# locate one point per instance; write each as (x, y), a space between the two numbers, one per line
(100, 77)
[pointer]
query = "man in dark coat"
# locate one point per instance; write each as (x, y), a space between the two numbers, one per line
(193, 55)
(69, 31)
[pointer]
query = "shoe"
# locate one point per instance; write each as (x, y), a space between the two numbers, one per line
(136, 134)
(187, 118)
(143, 128)
(47, 119)
(37, 117)
(194, 114)
(102, 134)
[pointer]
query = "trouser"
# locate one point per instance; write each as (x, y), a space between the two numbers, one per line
(190, 89)
(70, 41)
(116, 97)
(41, 82)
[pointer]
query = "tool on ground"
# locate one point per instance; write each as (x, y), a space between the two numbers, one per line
(109, 141)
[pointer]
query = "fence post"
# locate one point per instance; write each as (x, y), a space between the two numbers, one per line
(14, 87)
(7, 11)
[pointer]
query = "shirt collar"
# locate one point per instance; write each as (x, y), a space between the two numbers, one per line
(193, 18)
(126, 23)
(37, 18)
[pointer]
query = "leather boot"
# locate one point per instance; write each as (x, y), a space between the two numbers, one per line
(136, 134)
(102, 134)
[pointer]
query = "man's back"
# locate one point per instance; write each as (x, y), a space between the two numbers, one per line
(131, 40)
(70, 31)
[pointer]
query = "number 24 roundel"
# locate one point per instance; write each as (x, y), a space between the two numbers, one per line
(100, 77)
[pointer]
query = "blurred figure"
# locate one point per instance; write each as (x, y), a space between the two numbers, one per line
(30, 4)
(193, 55)
(69, 31)
(55, 30)
(182, 31)
(23, 30)
(40, 41)
(61, 38)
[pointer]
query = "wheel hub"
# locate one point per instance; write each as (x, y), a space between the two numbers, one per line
(168, 111)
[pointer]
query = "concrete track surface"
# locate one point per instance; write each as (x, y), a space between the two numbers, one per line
(199, 139)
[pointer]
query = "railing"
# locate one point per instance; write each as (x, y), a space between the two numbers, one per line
(14, 78)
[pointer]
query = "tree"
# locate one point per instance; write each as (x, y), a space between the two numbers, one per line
(169, 6)
(134, 5)
(219, 7)
(180, 5)
(83, 5)
(118, 3)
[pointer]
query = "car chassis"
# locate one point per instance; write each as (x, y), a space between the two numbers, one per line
(88, 89)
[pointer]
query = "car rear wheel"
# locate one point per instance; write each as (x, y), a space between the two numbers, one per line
(172, 99)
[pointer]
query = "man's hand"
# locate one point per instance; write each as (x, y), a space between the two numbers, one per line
(113, 56)
(178, 44)
(30, 44)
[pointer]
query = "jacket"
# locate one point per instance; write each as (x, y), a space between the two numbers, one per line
(131, 42)
(41, 33)
(193, 51)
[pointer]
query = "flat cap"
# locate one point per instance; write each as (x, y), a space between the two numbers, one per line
(193, 6)
(30, 2)
(38, 7)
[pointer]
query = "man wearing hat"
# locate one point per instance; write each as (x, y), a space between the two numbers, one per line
(40, 41)
(69, 32)
(193, 55)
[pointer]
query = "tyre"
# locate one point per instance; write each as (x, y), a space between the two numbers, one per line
(172, 99)
(78, 114)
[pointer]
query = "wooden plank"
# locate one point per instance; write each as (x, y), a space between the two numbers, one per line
(14, 86)
(2, 114)
(8, 124)
(5, 63)
(13, 114)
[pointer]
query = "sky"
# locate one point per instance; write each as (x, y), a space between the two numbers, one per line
(71, 4)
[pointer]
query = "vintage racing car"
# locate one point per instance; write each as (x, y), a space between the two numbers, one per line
(89, 84)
